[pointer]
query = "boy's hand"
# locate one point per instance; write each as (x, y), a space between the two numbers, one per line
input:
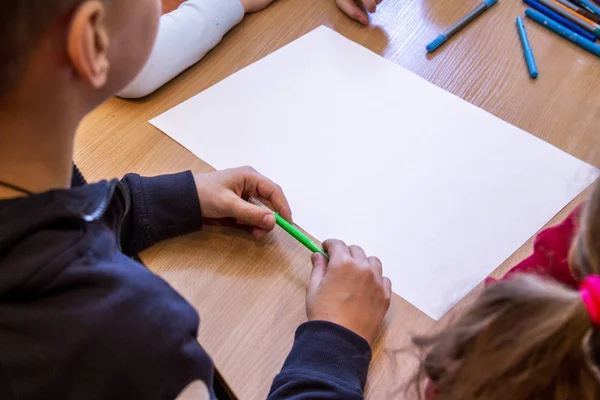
(349, 291)
(355, 9)
(223, 194)
(251, 6)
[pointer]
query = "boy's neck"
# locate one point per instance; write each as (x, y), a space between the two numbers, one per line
(36, 150)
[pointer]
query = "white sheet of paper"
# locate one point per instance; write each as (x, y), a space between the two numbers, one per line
(368, 152)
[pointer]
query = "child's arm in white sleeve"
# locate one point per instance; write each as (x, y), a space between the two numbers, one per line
(184, 37)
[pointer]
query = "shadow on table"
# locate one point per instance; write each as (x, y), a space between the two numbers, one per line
(372, 37)
(440, 14)
(228, 251)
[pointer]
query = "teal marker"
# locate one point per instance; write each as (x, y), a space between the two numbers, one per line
(562, 31)
(293, 231)
(590, 6)
(470, 17)
(533, 72)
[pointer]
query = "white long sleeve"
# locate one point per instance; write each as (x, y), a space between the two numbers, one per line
(184, 37)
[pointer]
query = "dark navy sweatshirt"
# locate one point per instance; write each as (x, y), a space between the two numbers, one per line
(81, 319)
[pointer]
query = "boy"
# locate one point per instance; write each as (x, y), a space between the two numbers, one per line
(79, 318)
(189, 32)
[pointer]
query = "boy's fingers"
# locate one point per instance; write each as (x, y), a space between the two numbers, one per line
(351, 9)
(370, 5)
(266, 203)
(319, 267)
(259, 233)
(270, 206)
(376, 265)
(336, 249)
(270, 191)
(387, 287)
(357, 252)
(249, 214)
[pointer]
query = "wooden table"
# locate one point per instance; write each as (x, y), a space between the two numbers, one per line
(251, 295)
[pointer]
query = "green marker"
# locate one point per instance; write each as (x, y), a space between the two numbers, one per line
(292, 230)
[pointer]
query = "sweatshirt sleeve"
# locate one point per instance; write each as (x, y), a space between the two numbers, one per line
(184, 37)
(158, 208)
(327, 361)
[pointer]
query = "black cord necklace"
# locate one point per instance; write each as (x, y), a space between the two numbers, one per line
(16, 188)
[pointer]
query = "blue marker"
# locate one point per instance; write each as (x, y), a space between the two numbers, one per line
(533, 72)
(440, 40)
(590, 6)
(560, 19)
(562, 31)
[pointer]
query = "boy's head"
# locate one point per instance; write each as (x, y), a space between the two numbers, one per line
(85, 50)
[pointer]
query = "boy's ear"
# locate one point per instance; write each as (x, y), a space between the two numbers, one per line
(88, 42)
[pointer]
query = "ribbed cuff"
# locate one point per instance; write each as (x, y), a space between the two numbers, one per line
(167, 205)
(326, 348)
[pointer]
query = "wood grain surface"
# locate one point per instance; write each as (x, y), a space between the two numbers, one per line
(170, 5)
(251, 295)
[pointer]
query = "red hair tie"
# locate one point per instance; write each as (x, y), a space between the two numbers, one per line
(590, 294)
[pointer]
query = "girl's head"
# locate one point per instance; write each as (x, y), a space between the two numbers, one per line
(524, 338)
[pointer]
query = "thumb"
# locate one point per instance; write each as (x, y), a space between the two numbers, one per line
(351, 9)
(252, 215)
(319, 268)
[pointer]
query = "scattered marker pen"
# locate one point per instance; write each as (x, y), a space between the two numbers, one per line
(580, 10)
(568, 34)
(590, 6)
(533, 72)
(442, 38)
(573, 16)
(536, 5)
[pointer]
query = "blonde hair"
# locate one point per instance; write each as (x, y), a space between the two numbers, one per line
(527, 337)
